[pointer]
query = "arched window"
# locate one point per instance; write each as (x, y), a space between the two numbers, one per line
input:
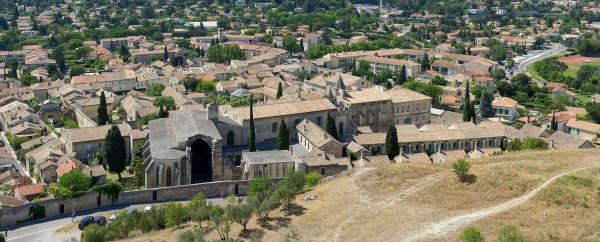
(230, 138)
(169, 177)
(341, 128)
(157, 175)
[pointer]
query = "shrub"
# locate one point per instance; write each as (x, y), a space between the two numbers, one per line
(195, 235)
(93, 233)
(2, 239)
(175, 214)
(471, 234)
(461, 168)
(312, 179)
(510, 233)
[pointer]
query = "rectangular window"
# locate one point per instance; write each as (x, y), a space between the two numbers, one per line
(274, 127)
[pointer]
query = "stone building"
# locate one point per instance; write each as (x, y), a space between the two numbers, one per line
(184, 148)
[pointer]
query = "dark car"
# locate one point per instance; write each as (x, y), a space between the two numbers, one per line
(100, 220)
(85, 221)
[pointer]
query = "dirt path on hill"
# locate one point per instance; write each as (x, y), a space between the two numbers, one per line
(367, 205)
(452, 224)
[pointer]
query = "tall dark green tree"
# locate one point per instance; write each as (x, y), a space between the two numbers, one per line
(425, 62)
(279, 90)
(402, 76)
(162, 113)
(330, 126)
(392, 149)
(467, 115)
(485, 104)
(115, 152)
(554, 123)
(59, 56)
(283, 136)
(252, 137)
(165, 54)
(102, 113)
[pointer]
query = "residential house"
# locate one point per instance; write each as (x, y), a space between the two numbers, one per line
(505, 107)
(85, 142)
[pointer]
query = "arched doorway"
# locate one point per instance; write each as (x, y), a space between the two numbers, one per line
(201, 162)
(230, 138)
(407, 121)
(169, 183)
(341, 128)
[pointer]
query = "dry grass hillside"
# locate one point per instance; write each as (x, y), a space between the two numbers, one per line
(548, 196)
(399, 201)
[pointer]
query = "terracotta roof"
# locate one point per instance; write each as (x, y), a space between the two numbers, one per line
(583, 125)
(11, 201)
(504, 102)
(283, 109)
(314, 134)
(31, 189)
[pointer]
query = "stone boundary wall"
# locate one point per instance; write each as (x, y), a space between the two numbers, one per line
(59, 206)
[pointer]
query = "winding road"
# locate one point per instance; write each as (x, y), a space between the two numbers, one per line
(525, 60)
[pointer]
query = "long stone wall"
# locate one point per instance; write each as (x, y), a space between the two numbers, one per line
(58, 206)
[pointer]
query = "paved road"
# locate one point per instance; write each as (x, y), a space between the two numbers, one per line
(533, 56)
(45, 231)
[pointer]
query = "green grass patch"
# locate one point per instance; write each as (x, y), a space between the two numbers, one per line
(574, 68)
(529, 69)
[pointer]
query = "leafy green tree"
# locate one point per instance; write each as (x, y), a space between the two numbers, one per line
(59, 57)
(72, 184)
(259, 185)
(330, 127)
(222, 53)
(510, 233)
(485, 104)
(292, 184)
(290, 43)
(166, 101)
(392, 148)
(593, 110)
(194, 235)
(241, 213)
(28, 80)
(283, 136)
(102, 113)
(312, 179)
(93, 233)
(76, 70)
(471, 234)
(220, 220)
(115, 151)
(199, 209)
(155, 90)
(498, 74)
(279, 90)
(461, 168)
(252, 137)
(439, 81)
(175, 214)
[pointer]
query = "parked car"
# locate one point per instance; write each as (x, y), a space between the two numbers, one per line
(148, 209)
(85, 221)
(100, 220)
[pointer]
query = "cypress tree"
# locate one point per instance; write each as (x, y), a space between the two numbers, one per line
(330, 127)
(485, 104)
(467, 105)
(252, 138)
(166, 54)
(279, 90)
(162, 113)
(102, 113)
(283, 136)
(402, 77)
(115, 152)
(13, 70)
(554, 123)
(425, 62)
(392, 149)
